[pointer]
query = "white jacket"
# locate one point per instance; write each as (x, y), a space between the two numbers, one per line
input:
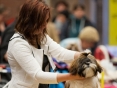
(26, 69)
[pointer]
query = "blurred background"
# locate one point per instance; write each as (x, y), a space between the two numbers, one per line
(75, 25)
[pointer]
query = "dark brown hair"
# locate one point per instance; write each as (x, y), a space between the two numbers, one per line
(2, 8)
(61, 2)
(32, 21)
(78, 6)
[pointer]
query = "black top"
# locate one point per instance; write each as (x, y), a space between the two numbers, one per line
(45, 60)
(44, 64)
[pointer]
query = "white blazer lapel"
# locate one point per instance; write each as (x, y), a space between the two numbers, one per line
(46, 49)
(51, 62)
(38, 55)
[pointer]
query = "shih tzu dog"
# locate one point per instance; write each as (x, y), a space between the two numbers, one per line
(84, 66)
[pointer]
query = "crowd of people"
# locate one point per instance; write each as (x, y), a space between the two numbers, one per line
(64, 24)
(72, 29)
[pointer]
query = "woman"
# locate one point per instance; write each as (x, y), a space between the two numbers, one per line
(30, 44)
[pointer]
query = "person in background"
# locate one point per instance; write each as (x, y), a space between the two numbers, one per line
(52, 32)
(3, 14)
(77, 22)
(61, 21)
(3, 45)
(87, 39)
(6, 35)
(59, 7)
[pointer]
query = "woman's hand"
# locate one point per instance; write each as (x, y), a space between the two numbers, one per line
(77, 54)
(77, 77)
(68, 76)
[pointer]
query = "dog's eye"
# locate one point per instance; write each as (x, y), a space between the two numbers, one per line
(87, 63)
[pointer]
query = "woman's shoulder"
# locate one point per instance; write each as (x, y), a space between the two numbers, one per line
(17, 41)
(18, 38)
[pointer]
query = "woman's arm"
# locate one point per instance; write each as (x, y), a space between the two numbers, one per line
(76, 55)
(23, 55)
(59, 52)
(68, 76)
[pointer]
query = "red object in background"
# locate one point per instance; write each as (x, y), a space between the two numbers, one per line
(2, 66)
(11, 20)
(99, 54)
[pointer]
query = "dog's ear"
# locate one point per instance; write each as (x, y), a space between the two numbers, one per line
(73, 71)
(74, 67)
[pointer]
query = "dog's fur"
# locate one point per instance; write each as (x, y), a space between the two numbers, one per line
(85, 66)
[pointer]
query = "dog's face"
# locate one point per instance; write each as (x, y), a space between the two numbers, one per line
(85, 66)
